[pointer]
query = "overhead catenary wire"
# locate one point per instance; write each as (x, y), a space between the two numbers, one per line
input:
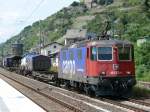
(31, 14)
(26, 19)
(19, 20)
(38, 5)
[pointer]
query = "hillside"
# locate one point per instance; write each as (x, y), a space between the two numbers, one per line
(52, 28)
(128, 20)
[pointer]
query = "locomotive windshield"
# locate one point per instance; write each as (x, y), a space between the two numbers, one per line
(124, 53)
(104, 53)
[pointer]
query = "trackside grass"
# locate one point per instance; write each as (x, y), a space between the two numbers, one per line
(140, 92)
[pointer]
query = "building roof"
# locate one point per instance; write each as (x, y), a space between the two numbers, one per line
(108, 42)
(75, 33)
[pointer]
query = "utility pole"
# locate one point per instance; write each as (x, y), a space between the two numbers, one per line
(19, 40)
(2, 54)
(40, 36)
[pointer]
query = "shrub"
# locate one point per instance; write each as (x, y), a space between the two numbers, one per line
(140, 92)
(74, 4)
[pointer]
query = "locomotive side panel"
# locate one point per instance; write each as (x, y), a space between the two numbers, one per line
(73, 64)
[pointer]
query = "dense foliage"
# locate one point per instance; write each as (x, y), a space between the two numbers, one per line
(131, 22)
(143, 61)
(50, 29)
(128, 20)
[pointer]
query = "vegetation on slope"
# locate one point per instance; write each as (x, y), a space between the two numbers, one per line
(142, 54)
(52, 28)
(128, 20)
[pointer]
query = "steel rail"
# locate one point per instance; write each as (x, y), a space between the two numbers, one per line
(69, 106)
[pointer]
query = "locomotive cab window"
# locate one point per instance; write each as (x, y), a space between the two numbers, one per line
(105, 53)
(124, 53)
(93, 53)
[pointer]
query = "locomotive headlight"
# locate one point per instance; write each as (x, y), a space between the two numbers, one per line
(128, 72)
(115, 66)
(103, 73)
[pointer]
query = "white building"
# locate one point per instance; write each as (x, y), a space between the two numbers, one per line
(73, 35)
(52, 50)
(89, 3)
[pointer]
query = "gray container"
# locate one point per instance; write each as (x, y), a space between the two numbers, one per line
(17, 49)
(41, 63)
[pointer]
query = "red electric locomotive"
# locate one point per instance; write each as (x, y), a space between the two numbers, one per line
(100, 67)
(110, 64)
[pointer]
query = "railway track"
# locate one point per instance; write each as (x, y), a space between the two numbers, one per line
(69, 106)
(139, 102)
(83, 100)
(131, 107)
(144, 84)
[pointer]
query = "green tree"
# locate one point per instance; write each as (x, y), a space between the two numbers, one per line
(142, 56)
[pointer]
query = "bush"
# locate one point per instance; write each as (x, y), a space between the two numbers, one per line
(140, 92)
(74, 4)
(105, 2)
(127, 3)
(140, 70)
(142, 56)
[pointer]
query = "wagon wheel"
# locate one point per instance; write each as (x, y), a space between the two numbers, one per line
(89, 91)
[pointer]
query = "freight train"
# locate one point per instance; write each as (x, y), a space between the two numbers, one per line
(97, 67)
(102, 67)
(34, 62)
(13, 61)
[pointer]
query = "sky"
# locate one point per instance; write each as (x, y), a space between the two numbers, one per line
(16, 14)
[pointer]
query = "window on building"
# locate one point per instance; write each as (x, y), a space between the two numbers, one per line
(93, 53)
(124, 53)
(55, 46)
(105, 53)
(79, 54)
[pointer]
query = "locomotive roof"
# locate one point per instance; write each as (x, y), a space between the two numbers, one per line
(98, 42)
(108, 42)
